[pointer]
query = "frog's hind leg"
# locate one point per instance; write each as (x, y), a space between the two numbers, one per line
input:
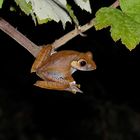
(51, 85)
(44, 53)
(57, 86)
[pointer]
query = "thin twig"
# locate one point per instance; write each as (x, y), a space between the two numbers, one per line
(64, 39)
(115, 4)
(33, 48)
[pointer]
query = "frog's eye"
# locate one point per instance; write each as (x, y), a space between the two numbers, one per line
(82, 63)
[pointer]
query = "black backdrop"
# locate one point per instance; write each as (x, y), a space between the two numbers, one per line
(109, 107)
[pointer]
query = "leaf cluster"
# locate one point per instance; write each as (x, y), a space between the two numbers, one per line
(47, 10)
(124, 22)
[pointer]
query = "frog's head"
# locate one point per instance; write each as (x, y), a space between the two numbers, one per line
(84, 62)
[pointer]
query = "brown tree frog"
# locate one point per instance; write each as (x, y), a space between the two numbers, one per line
(56, 68)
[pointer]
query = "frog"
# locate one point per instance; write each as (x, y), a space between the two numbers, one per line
(55, 68)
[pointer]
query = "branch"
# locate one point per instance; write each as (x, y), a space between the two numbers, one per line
(115, 4)
(33, 48)
(64, 39)
(20, 38)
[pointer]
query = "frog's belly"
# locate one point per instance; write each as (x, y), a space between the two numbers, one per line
(51, 76)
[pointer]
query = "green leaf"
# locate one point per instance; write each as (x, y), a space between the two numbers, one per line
(25, 6)
(1, 2)
(122, 26)
(131, 8)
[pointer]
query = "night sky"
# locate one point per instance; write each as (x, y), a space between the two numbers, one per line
(108, 109)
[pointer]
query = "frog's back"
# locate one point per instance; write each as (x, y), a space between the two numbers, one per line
(62, 58)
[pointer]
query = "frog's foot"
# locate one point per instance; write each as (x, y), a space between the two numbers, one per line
(73, 83)
(74, 88)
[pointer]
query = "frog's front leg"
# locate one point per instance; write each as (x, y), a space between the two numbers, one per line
(72, 85)
(44, 53)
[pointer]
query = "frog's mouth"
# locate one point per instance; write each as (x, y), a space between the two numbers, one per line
(90, 67)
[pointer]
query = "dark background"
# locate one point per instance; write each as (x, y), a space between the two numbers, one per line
(109, 107)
